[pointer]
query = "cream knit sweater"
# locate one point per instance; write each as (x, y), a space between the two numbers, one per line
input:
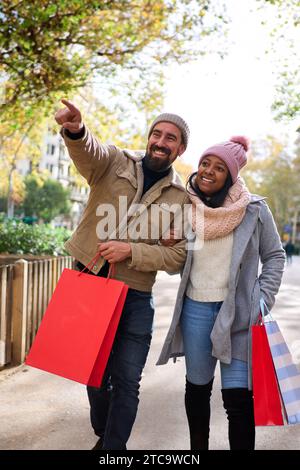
(209, 274)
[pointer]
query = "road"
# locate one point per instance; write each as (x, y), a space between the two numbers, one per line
(42, 411)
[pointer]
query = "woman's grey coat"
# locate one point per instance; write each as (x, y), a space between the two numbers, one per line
(256, 238)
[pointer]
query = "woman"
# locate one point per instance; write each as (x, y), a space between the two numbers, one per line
(220, 290)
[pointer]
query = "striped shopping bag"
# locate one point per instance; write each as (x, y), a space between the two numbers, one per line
(288, 375)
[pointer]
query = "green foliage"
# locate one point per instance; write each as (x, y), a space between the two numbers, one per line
(285, 34)
(3, 204)
(45, 198)
(19, 238)
(287, 102)
(274, 174)
(50, 48)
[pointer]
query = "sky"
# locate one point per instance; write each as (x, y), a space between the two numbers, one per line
(220, 98)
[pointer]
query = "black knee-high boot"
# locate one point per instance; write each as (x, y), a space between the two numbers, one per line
(197, 406)
(238, 403)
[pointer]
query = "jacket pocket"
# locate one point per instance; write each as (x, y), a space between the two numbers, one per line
(255, 298)
(124, 173)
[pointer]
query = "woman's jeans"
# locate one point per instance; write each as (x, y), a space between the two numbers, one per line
(197, 321)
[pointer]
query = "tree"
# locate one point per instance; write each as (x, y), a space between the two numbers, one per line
(54, 200)
(53, 47)
(18, 141)
(285, 36)
(45, 198)
(272, 173)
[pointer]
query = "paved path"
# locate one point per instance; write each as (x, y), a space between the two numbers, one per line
(41, 411)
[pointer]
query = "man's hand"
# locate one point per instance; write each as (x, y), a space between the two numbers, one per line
(69, 117)
(114, 251)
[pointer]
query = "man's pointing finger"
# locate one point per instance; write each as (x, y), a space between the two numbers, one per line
(69, 105)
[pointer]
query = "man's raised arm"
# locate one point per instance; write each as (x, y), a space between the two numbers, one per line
(90, 157)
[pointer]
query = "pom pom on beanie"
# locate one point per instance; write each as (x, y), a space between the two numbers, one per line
(241, 139)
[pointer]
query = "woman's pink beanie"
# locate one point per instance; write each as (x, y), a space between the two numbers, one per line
(232, 152)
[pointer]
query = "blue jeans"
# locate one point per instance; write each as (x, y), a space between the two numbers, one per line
(114, 405)
(197, 321)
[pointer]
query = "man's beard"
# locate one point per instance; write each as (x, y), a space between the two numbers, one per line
(158, 164)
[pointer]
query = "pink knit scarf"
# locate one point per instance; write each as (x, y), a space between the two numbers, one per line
(219, 222)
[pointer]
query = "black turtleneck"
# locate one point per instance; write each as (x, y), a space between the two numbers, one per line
(151, 177)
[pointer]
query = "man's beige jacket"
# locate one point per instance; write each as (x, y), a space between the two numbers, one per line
(116, 178)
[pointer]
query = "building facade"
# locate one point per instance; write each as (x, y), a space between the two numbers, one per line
(57, 163)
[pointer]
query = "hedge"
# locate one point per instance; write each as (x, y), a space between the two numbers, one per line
(20, 238)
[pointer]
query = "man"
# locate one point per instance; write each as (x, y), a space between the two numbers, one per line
(289, 250)
(145, 181)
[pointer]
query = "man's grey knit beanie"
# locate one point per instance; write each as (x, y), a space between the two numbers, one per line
(174, 119)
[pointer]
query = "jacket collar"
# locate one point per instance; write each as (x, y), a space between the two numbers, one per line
(256, 198)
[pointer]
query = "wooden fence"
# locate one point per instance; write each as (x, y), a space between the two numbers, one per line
(25, 290)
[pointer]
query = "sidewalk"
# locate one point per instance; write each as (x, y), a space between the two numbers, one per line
(41, 411)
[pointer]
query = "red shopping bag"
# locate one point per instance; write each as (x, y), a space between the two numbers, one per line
(267, 404)
(76, 334)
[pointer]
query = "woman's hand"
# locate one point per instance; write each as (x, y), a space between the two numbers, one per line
(170, 238)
